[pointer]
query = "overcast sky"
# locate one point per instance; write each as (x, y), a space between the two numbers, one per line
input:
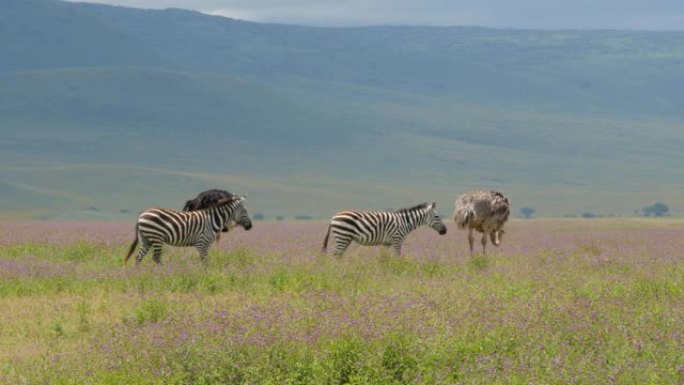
(545, 14)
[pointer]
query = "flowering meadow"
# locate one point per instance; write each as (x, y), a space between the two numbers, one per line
(559, 302)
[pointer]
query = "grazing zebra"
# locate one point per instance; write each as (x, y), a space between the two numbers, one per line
(206, 199)
(156, 227)
(387, 228)
(484, 211)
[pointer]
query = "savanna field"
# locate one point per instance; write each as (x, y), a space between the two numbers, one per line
(560, 302)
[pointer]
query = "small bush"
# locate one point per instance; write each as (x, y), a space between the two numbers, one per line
(344, 361)
(151, 310)
(79, 252)
(399, 359)
(479, 262)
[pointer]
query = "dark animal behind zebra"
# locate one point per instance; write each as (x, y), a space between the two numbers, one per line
(386, 228)
(156, 227)
(207, 199)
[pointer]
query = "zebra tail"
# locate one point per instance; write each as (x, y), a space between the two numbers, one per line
(133, 245)
(325, 241)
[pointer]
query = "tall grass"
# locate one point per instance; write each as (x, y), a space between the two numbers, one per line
(558, 303)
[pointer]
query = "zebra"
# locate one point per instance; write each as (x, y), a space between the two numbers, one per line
(386, 228)
(156, 227)
(484, 211)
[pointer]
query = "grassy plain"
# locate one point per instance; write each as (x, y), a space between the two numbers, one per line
(560, 302)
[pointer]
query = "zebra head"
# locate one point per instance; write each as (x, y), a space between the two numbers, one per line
(433, 220)
(234, 213)
(240, 216)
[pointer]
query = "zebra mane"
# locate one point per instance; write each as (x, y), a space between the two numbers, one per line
(421, 206)
(223, 202)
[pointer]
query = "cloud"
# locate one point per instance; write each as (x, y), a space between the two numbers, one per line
(548, 14)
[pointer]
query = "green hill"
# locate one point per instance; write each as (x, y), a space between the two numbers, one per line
(626, 72)
(116, 109)
(38, 34)
(134, 105)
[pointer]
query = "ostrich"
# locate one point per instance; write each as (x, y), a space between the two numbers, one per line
(484, 211)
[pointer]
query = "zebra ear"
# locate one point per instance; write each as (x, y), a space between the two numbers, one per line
(432, 206)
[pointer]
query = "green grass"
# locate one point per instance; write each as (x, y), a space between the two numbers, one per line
(581, 314)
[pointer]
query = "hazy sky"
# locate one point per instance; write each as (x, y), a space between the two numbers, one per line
(580, 14)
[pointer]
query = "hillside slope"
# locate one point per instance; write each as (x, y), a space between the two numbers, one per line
(37, 34)
(623, 72)
(155, 104)
(119, 108)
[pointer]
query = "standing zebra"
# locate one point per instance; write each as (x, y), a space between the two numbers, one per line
(156, 227)
(484, 211)
(387, 228)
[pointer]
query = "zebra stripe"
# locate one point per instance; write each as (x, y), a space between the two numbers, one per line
(387, 228)
(156, 227)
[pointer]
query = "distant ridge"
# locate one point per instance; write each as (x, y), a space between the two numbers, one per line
(612, 71)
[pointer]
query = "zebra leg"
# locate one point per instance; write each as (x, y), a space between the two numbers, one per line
(471, 240)
(156, 254)
(144, 247)
(396, 245)
(203, 251)
(341, 245)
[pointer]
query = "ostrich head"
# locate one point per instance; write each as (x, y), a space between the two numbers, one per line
(501, 209)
